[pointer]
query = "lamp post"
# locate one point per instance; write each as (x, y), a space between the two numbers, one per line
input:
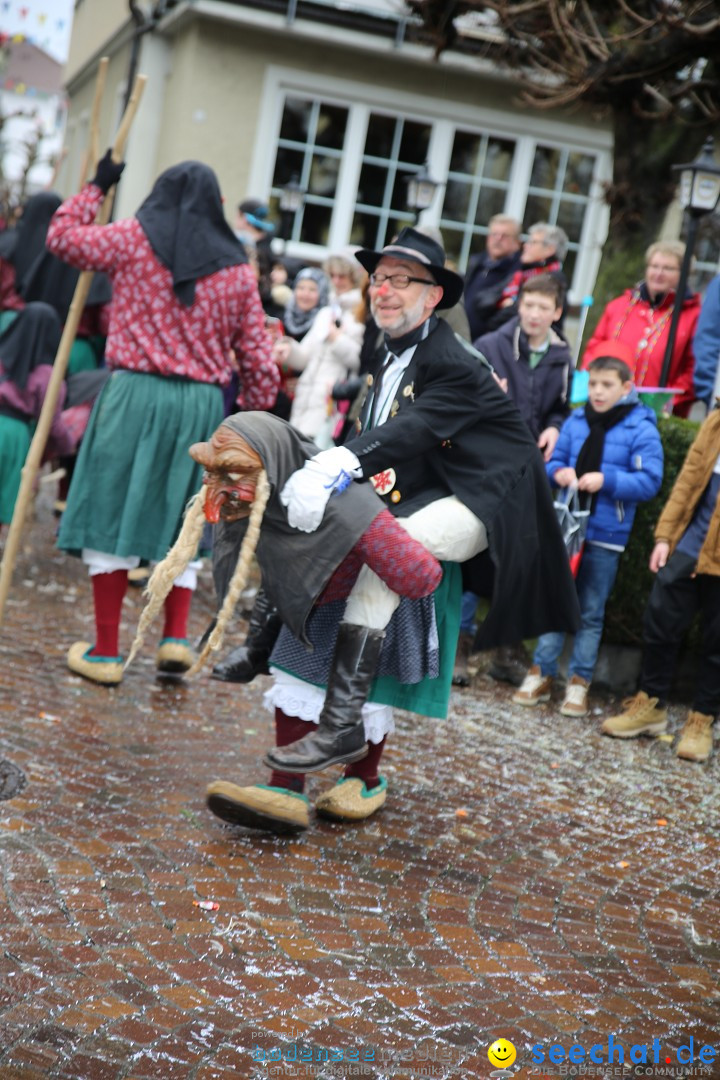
(699, 194)
(421, 190)
(292, 197)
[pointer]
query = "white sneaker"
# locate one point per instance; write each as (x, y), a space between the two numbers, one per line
(576, 692)
(535, 688)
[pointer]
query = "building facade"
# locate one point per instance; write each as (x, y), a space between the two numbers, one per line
(346, 99)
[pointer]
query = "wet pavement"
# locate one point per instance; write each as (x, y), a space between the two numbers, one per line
(528, 879)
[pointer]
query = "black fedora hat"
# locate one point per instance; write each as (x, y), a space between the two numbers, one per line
(414, 246)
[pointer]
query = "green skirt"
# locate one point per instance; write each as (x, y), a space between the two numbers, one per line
(15, 437)
(431, 696)
(134, 475)
(82, 357)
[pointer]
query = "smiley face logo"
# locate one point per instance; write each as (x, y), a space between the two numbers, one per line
(502, 1053)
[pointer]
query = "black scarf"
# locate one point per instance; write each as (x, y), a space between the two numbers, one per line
(22, 245)
(183, 220)
(398, 345)
(590, 456)
(31, 339)
(53, 281)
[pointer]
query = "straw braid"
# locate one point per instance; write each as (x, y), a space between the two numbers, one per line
(161, 580)
(240, 574)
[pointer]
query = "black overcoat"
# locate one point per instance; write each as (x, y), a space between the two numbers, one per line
(454, 431)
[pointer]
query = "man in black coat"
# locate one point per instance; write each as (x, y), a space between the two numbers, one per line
(451, 457)
(489, 272)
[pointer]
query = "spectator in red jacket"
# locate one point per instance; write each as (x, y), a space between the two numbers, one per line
(641, 318)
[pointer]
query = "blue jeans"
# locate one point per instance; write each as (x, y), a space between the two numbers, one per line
(594, 583)
(468, 607)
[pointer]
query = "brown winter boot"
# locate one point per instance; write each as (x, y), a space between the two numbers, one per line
(461, 674)
(696, 737)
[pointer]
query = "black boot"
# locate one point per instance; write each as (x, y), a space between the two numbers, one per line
(251, 659)
(340, 736)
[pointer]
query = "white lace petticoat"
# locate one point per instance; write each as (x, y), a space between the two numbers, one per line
(301, 699)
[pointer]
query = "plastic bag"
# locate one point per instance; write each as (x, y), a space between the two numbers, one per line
(573, 521)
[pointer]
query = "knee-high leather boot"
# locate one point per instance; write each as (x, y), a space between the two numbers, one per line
(340, 735)
(251, 659)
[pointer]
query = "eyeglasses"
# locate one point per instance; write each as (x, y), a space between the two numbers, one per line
(398, 281)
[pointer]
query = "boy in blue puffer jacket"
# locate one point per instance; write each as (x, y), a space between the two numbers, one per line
(611, 450)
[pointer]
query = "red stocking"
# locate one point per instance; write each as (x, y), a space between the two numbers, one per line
(177, 611)
(288, 729)
(108, 593)
(367, 768)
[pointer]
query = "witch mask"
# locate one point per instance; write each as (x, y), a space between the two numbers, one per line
(231, 473)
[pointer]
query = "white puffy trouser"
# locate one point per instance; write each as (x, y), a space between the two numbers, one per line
(99, 562)
(446, 528)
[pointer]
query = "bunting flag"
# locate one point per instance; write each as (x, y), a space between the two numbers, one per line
(51, 18)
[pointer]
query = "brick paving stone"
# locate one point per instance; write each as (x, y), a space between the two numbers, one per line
(555, 908)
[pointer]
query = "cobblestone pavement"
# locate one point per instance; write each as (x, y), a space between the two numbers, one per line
(528, 879)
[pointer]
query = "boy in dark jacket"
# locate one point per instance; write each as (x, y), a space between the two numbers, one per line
(533, 363)
(611, 450)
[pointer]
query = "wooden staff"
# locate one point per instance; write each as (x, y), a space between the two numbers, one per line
(42, 431)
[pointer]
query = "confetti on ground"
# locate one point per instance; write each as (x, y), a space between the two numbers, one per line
(462, 812)
(661, 821)
(623, 864)
(206, 905)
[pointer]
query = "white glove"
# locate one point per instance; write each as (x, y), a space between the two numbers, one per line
(307, 491)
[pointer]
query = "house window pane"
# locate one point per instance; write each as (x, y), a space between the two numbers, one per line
(545, 167)
(323, 175)
(490, 201)
(414, 142)
(498, 160)
(316, 224)
(570, 218)
(295, 120)
(537, 208)
(457, 200)
(288, 163)
(380, 135)
(453, 241)
(394, 225)
(371, 190)
(331, 125)
(579, 173)
(465, 152)
(365, 230)
(569, 265)
(398, 200)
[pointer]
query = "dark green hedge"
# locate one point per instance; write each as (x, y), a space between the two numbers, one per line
(623, 616)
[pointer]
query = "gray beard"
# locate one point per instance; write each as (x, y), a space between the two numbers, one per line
(411, 318)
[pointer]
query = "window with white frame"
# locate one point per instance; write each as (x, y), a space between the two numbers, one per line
(483, 172)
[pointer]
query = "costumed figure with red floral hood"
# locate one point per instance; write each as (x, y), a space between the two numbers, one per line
(184, 302)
